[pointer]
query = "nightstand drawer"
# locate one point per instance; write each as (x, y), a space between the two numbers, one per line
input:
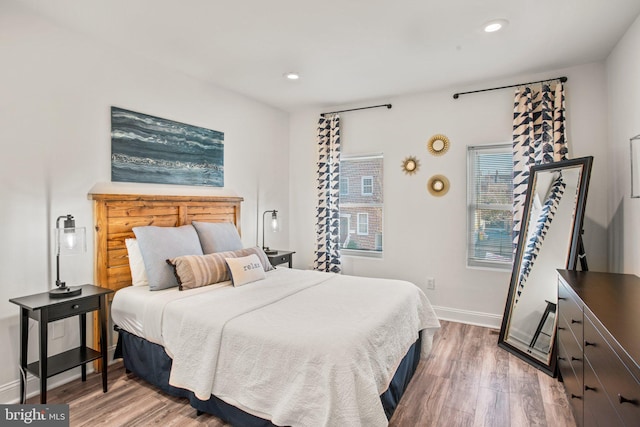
(72, 308)
(281, 259)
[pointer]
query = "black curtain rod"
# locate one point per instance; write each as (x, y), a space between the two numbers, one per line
(356, 109)
(456, 95)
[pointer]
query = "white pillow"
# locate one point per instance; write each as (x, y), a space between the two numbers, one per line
(136, 263)
(245, 269)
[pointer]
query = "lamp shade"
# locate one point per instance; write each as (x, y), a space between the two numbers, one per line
(71, 241)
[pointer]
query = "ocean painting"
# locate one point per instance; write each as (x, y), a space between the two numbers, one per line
(153, 150)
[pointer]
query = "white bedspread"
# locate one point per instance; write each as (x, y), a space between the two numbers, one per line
(299, 348)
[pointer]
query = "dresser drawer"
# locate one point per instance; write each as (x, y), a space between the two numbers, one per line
(571, 310)
(571, 352)
(72, 308)
(620, 385)
(572, 386)
(598, 408)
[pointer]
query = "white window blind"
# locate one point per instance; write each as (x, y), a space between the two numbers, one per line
(490, 206)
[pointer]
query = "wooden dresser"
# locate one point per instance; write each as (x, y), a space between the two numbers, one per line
(599, 346)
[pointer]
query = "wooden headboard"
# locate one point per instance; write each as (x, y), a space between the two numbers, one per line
(115, 215)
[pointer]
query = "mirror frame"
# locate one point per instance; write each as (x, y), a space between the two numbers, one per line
(572, 256)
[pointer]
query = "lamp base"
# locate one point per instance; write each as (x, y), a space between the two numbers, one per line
(64, 292)
(270, 251)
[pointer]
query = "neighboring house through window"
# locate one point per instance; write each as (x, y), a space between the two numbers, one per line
(361, 212)
(490, 206)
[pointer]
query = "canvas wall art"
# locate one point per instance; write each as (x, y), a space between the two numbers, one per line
(154, 150)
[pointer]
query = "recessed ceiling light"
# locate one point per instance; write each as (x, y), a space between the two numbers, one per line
(292, 76)
(495, 25)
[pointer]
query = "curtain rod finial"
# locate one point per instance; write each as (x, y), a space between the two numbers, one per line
(563, 79)
(456, 95)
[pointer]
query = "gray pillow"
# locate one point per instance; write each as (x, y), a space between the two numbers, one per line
(218, 236)
(158, 244)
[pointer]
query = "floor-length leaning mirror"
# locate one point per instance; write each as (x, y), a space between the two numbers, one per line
(549, 240)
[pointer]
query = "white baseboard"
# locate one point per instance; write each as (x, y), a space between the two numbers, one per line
(476, 318)
(10, 392)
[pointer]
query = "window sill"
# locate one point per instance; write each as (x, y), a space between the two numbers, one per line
(354, 253)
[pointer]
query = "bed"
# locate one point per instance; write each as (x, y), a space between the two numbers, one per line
(294, 348)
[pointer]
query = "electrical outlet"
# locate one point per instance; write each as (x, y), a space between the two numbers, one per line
(431, 283)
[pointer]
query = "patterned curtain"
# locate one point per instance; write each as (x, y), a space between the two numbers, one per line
(539, 137)
(328, 214)
(539, 231)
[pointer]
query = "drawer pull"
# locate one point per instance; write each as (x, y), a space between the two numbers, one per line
(75, 306)
(560, 328)
(576, 359)
(561, 299)
(561, 358)
(575, 321)
(622, 399)
(587, 388)
(574, 396)
(587, 343)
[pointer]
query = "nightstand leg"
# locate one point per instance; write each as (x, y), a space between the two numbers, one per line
(24, 340)
(83, 342)
(103, 340)
(44, 323)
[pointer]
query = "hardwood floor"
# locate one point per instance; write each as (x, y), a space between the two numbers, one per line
(469, 381)
(466, 381)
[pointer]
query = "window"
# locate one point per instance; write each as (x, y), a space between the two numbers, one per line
(367, 186)
(344, 186)
(361, 214)
(363, 224)
(490, 206)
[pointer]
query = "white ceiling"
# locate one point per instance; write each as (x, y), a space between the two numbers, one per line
(349, 50)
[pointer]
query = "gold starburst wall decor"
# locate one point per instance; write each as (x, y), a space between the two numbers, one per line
(438, 145)
(410, 165)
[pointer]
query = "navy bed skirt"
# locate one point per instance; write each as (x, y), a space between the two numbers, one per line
(150, 362)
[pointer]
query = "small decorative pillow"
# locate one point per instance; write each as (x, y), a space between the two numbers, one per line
(136, 263)
(264, 260)
(245, 270)
(217, 236)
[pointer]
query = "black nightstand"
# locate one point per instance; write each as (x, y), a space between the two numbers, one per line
(44, 309)
(281, 257)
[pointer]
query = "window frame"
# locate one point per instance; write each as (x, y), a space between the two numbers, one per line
(346, 187)
(359, 223)
(473, 206)
(362, 185)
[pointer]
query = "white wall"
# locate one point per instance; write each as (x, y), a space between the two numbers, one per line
(623, 80)
(56, 88)
(425, 236)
